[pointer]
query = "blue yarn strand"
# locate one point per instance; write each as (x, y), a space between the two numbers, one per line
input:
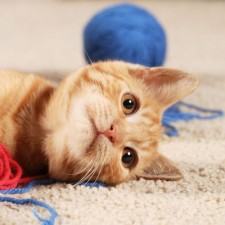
(33, 183)
(174, 114)
(53, 213)
(94, 184)
(28, 187)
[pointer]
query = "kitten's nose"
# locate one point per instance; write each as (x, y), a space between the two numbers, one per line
(111, 133)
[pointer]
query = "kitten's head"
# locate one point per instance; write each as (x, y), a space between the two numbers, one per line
(104, 122)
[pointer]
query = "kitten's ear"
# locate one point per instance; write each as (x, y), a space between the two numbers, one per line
(160, 168)
(167, 86)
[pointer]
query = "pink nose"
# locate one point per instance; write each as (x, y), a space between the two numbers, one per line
(111, 133)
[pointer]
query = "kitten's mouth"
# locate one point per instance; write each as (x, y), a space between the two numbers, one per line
(96, 133)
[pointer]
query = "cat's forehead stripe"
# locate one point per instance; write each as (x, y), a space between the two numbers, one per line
(120, 74)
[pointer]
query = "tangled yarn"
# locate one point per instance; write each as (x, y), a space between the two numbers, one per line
(11, 178)
(10, 171)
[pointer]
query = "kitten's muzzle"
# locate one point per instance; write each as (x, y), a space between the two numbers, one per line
(111, 133)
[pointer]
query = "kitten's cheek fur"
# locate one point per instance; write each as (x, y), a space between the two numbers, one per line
(89, 114)
(101, 112)
(80, 131)
(80, 136)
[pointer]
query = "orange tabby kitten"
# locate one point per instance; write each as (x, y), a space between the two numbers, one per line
(102, 122)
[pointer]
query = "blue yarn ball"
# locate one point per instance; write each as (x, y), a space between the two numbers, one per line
(125, 32)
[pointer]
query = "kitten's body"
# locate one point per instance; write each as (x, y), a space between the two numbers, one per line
(23, 100)
(81, 130)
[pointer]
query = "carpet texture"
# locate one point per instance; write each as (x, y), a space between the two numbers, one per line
(46, 37)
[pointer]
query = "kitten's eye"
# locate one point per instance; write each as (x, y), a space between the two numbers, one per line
(129, 104)
(129, 157)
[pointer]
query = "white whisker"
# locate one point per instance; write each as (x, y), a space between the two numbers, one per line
(86, 53)
(101, 167)
(94, 170)
(76, 165)
(88, 174)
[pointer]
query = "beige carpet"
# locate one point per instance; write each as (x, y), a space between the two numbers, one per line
(46, 37)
